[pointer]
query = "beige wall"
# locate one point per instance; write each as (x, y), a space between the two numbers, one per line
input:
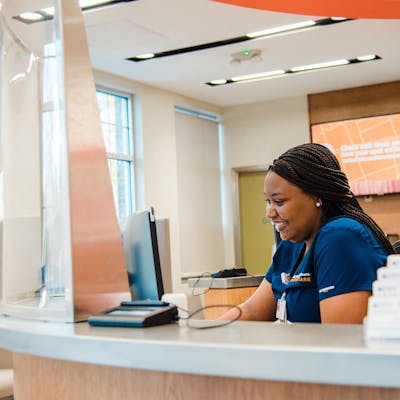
(156, 155)
(254, 134)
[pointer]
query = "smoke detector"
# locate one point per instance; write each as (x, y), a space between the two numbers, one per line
(246, 55)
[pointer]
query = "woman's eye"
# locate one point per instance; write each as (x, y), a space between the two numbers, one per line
(277, 203)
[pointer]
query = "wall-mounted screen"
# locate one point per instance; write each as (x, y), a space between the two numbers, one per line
(368, 150)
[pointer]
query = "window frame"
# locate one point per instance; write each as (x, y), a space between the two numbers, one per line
(131, 143)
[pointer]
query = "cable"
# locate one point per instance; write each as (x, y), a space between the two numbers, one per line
(203, 275)
(212, 323)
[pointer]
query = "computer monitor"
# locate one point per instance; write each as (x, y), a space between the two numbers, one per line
(139, 238)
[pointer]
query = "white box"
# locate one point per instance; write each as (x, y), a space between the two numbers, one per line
(388, 273)
(383, 304)
(393, 261)
(386, 288)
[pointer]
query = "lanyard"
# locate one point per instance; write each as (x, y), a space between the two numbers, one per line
(281, 309)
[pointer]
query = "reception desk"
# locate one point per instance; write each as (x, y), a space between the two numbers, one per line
(244, 360)
(224, 291)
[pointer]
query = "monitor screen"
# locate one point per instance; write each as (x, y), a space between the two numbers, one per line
(368, 150)
(139, 238)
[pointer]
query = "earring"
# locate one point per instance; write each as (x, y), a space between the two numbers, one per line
(318, 204)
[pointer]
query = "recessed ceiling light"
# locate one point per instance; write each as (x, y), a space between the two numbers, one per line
(327, 64)
(31, 16)
(91, 3)
(145, 56)
(281, 29)
(218, 82)
(262, 75)
(264, 34)
(367, 57)
(291, 71)
(46, 14)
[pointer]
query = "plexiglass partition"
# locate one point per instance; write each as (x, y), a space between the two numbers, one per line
(36, 253)
(58, 261)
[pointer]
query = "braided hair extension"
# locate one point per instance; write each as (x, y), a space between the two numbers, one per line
(315, 169)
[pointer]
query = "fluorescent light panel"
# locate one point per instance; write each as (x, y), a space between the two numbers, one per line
(261, 75)
(264, 34)
(294, 70)
(328, 64)
(48, 13)
(281, 29)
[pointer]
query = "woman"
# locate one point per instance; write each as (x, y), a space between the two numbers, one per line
(323, 269)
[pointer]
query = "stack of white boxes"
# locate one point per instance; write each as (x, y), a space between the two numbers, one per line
(383, 320)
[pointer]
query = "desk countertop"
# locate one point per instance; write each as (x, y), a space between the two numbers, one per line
(336, 354)
(225, 283)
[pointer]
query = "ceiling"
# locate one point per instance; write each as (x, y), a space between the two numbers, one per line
(128, 29)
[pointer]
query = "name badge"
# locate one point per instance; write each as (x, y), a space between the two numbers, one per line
(281, 309)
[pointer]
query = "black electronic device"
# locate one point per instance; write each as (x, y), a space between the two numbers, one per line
(139, 238)
(230, 273)
(150, 303)
(136, 315)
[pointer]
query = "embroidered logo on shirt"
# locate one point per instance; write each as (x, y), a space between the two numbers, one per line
(326, 289)
(302, 277)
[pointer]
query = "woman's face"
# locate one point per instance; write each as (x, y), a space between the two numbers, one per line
(293, 212)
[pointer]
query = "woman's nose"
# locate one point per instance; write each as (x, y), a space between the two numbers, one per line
(270, 211)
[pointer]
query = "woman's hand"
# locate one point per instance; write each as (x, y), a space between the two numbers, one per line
(260, 306)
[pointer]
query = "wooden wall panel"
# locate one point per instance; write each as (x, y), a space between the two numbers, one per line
(385, 210)
(366, 101)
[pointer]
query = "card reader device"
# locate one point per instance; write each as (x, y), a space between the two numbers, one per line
(136, 314)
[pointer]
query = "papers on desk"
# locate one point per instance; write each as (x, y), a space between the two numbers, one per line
(383, 319)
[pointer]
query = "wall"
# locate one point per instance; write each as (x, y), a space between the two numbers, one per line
(155, 154)
(255, 134)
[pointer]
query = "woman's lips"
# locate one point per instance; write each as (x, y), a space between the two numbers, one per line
(280, 226)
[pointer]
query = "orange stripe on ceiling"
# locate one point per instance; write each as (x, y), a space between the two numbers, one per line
(379, 9)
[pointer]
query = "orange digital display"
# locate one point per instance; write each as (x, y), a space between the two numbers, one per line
(368, 150)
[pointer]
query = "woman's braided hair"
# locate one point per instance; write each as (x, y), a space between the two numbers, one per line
(314, 169)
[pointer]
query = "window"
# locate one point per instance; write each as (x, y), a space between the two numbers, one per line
(115, 117)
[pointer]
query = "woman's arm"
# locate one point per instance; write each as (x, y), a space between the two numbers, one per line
(260, 306)
(349, 308)
(346, 259)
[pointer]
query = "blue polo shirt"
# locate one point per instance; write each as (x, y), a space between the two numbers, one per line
(342, 258)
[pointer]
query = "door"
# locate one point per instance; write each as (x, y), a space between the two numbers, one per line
(257, 236)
